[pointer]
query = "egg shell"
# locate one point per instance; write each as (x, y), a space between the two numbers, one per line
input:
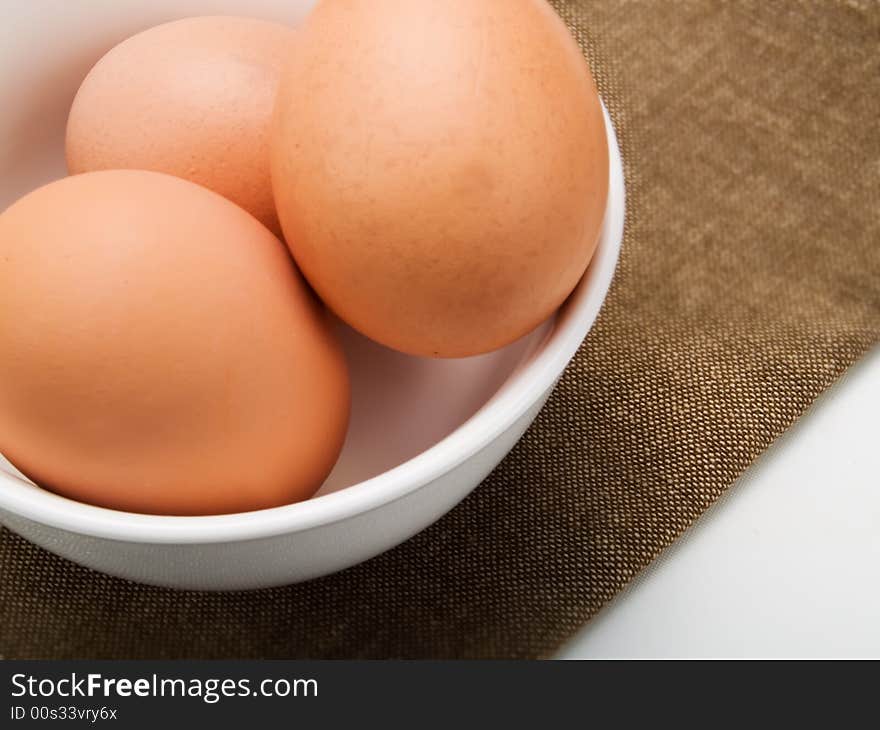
(191, 98)
(440, 168)
(160, 353)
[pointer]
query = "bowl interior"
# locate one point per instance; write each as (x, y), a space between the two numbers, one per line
(401, 405)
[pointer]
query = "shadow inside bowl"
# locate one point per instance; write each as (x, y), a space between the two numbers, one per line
(402, 405)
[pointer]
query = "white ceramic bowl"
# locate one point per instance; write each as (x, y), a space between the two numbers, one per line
(423, 434)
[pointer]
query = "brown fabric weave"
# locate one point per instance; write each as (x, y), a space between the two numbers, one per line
(750, 280)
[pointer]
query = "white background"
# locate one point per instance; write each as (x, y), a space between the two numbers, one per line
(787, 564)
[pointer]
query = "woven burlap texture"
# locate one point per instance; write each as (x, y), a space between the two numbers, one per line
(750, 280)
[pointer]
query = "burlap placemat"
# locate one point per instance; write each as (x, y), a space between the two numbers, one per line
(750, 280)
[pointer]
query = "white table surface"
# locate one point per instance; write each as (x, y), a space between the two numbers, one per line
(786, 564)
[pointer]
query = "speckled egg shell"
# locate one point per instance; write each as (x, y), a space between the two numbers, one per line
(440, 168)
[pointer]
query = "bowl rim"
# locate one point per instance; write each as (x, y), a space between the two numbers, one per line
(526, 385)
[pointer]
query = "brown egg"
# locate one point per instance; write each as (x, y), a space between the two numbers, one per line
(192, 98)
(440, 169)
(160, 352)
